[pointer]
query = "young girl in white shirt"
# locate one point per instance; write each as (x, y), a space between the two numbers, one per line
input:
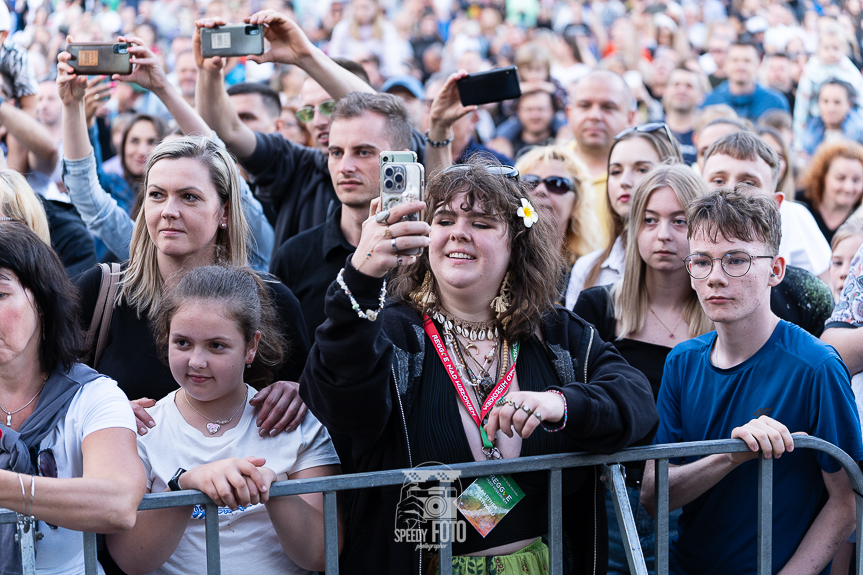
(217, 327)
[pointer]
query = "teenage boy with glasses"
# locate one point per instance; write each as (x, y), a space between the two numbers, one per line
(760, 379)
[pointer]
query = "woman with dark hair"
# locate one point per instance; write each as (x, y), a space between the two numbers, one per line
(833, 184)
(648, 311)
(480, 301)
(143, 133)
(635, 152)
(67, 433)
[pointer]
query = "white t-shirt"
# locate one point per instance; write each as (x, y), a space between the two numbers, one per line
(610, 271)
(247, 537)
(803, 245)
(98, 405)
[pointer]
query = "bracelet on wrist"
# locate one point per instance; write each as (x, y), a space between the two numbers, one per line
(562, 421)
(442, 144)
(369, 314)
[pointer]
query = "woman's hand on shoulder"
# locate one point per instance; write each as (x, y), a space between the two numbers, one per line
(231, 482)
(375, 255)
(281, 408)
(143, 420)
(524, 411)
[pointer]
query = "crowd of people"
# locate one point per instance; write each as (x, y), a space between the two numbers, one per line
(659, 241)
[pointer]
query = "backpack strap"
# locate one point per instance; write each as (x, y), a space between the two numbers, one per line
(104, 310)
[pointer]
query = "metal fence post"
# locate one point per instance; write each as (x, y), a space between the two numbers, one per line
(90, 559)
(765, 515)
(660, 470)
(211, 524)
(616, 483)
(445, 527)
(331, 532)
(555, 521)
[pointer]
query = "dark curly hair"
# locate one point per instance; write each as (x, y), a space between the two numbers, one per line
(56, 300)
(241, 293)
(535, 262)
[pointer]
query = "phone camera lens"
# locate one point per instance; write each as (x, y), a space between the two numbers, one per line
(388, 184)
(399, 178)
(388, 172)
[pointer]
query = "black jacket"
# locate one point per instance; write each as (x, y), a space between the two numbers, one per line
(359, 381)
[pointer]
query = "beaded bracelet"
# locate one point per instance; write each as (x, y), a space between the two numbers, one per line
(369, 314)
(562, 425)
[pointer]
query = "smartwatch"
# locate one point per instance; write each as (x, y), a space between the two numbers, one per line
(174, 483)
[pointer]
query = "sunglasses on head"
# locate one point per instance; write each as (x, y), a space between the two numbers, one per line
(554, 184)
(651, 127)
(307, 113)
(507, 172)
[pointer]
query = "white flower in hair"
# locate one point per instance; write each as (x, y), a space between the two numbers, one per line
(528, 213)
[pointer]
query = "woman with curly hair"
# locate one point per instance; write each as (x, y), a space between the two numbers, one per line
(833, 185)
(474, 311)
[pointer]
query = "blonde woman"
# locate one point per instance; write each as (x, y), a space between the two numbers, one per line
(366, 31)
(19, 202)
(556, 177)
(651, 309)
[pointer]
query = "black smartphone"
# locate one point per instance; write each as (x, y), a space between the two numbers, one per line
(92, 58)
(233, 40)
(491, 86)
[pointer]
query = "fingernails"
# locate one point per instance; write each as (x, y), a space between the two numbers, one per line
(143, 431)
(113, 84)
(263, 487)
(262, 432)
(272, 432)
(151, 423)
(260, 422)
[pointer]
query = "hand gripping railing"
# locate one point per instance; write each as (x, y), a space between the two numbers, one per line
(554, 464)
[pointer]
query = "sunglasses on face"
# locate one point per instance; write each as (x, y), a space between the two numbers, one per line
(652, 127)
(554, 184)
(307, 113)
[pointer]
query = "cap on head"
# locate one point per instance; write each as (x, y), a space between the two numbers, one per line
(406, 81)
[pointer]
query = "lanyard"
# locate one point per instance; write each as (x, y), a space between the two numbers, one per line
(499, 390)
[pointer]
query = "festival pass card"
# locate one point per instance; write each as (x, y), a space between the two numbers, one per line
(487, 500)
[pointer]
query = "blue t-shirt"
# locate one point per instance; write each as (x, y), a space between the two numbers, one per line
(749, 106)
(798, 381)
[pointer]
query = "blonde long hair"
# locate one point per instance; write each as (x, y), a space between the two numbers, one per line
(142, 283)
(630, 293)
(19, 201)
(584, 233)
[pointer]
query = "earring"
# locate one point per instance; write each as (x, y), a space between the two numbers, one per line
(425, 296)
(773, 275)
(224, 226)
(248, 365)
(501, 303)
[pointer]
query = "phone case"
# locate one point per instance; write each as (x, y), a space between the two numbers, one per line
(234, 40)
(402, 182)
(398, 156)
(492, 86)
(92, 58)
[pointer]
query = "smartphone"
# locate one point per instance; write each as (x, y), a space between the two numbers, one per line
(92, 58)
(401, 182)
(491, 86)
(398, 156)
(234, 40)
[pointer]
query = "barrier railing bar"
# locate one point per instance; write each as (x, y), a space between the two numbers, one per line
(90, 554)
(475, 469)
(555, 521)
(331, 532)
(858, 542)
(765, 515)
(662, 504)
(616, 484)
(445, 536)
(211, 524)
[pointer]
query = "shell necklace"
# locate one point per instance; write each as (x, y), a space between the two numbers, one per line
(214, 426)
(471, 331)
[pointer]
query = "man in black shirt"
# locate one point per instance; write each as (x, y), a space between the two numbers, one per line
(363, 126)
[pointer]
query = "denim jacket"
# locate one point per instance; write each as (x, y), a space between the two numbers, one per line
(852, 128)
(110, 223)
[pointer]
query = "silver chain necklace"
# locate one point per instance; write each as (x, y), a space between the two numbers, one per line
(214, 426)
(9, 414)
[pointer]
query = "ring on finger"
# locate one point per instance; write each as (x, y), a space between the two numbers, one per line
(382, 217)
(393, 244)
(513, 404)
(501, 402)
(537, 415)
(387, 233)
(399, 261)
(526, 409)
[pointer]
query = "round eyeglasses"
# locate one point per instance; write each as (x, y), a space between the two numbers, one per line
(735, 264)
(554, 184)
(307, 113)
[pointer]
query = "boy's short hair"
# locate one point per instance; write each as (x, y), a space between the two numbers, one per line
(736, 215)
(748, 147)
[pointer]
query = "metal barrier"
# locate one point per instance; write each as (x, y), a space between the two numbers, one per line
(554, 464)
